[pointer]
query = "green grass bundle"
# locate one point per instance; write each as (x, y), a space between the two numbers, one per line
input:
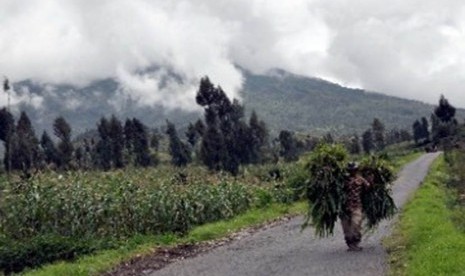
(377, 201)
(327, 175)
(325, 187)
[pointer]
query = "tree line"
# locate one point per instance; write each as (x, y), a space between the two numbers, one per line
(223, 140)
(441, 126)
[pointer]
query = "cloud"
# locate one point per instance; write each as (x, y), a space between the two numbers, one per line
(413, 49)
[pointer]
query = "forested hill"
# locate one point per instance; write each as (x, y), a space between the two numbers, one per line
(288, 101)
(281, 99)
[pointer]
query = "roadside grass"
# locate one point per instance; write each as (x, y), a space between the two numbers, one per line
(141, 245)
(425, 241)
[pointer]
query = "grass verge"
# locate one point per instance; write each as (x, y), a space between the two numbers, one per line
(425, 240)
(140, 245)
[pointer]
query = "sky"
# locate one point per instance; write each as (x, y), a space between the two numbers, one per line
(412, 49)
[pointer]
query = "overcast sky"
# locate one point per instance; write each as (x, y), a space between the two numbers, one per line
(412, 49)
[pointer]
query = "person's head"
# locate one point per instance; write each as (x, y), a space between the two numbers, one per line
(352, 168)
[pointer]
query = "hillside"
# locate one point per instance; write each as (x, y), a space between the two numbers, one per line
(283, 100)
(299, 103)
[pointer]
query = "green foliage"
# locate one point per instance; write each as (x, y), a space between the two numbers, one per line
(65, 147)
(378, 129)
(76, 207)
(180, 153)
(377, 201)
(327, 174)
(326, 167)
(288, 146)
(367, 141)
(228, 140)
(425, 241)
(17, 255)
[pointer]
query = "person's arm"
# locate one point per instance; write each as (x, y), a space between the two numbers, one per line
(368, 182)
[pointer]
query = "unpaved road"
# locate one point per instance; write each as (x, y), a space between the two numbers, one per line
(286, 250)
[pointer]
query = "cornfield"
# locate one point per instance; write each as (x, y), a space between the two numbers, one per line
(121, 205)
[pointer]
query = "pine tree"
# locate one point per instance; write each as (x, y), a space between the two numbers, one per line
(104, 145)
(288, 143)
(378, 134)
(128, 134)
(417, 131)
(425, 129)
(213, 150)
(62, 130)
(51, 154)
(117, 142)
(180, 154)
(199, 127)
(141, 144)
(444, 111)
(443, 120)
(26, 153)
(192, 135)
(367, 141)
(259, 136)
(7, 131)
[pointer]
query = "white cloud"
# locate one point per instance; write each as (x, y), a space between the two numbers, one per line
(413, 49)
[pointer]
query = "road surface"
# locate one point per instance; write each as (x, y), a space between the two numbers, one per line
(286, 250)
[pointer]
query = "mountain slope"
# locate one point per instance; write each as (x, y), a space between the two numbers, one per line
(281, 99)
(299, 103)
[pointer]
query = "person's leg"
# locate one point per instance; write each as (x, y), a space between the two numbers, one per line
(346, 222)
(356, 227)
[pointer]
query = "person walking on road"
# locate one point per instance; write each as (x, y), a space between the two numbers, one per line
(352, 219)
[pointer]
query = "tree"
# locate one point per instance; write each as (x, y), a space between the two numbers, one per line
(227, 140)
(7, 131)
(140, 144)
(26, 153)
(213, 150)
(51, 154)
(443, 120)
(103, 149)
(117, 141)
(192, 135)
(129, 134)
(367, 141)
(378, 134)
(258, 136)
(444, 111)
(417, 131)
(180, 154)
(62, 130)
(289, 149)
(425, 129)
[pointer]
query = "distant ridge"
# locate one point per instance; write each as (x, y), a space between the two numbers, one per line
(304, 104)
(282, 99)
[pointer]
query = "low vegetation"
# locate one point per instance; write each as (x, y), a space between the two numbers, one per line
(61, 216)
(140, 245)
(429, 238)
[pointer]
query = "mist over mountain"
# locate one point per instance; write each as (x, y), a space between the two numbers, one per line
(283, 100)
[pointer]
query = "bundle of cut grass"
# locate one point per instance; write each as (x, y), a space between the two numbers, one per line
(377, 201)
(327, 168)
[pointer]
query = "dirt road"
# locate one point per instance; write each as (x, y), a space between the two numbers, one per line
(286, 250)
